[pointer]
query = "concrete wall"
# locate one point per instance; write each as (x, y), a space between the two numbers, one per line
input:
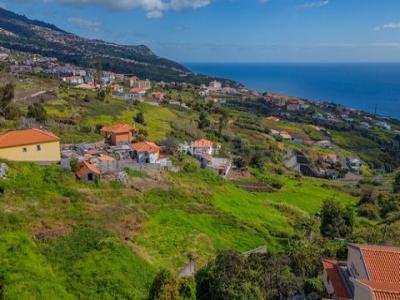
(362, 292)
(355, 264)
(117, 139)
(41, 152)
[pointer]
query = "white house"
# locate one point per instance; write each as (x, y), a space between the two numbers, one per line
(204, 146)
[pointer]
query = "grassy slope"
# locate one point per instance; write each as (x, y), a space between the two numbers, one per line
(199, 215)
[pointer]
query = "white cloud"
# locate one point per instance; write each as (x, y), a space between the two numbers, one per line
(85, 24)
(153, 8)
(315, 4)
(393, 25)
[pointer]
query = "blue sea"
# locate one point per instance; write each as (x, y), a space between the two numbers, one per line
(362, 86)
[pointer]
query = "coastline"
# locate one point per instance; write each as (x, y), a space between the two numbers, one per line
(370, 87)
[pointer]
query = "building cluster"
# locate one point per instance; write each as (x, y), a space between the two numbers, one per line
(369, 273)
(205, 151)
(286, 103)
(216, 88)
(119, 150)
(121, 85)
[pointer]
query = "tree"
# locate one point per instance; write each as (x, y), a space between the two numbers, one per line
(240, 163)
(336, 220)
(170, 144)
(204, 122)
(12, 112)
(305, 258)
(257, 160)
(38, 112)
(223, 121)
(74, 164)
(6, 97)
(139, 118)
(396, 184)
(257, 276)
(168, 287)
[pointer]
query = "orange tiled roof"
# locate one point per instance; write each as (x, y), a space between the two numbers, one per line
(136, 90)
(328, 155)
(202, 143)
(330, 266)
(26, 137)
(382, 263)
(118, 128)
(86, 168)
(105, 158)
(383, 291)
(146, 147)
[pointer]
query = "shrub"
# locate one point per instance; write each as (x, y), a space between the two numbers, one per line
(139, 118)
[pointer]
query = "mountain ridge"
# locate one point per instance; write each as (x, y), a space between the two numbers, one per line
(19, 33)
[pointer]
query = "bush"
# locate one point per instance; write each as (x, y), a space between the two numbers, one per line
(85, 128)
(37, 111)
(369, 211)
(336, 220)
(164, 287)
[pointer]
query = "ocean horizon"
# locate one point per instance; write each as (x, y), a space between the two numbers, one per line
(371, 87)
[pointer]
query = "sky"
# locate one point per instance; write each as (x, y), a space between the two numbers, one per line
(234, 30)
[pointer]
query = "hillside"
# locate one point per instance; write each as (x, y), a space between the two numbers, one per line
(22, 34)
(65, 239)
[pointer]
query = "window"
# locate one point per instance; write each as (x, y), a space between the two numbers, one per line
(38, 148)
(24, 149)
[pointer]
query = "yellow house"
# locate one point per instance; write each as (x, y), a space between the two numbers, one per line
(34, 145)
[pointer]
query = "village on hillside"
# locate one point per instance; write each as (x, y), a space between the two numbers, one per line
(315, 158)
(302, 138)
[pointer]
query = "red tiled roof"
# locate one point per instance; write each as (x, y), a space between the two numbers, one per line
(26, 137)
(86, 168)
(146, 147)
(330, 266)
(202, 143)
(383, 291)
(118, 128)
(382, 263)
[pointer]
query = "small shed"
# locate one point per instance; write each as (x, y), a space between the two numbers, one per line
(146, 152)
(88, 172)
